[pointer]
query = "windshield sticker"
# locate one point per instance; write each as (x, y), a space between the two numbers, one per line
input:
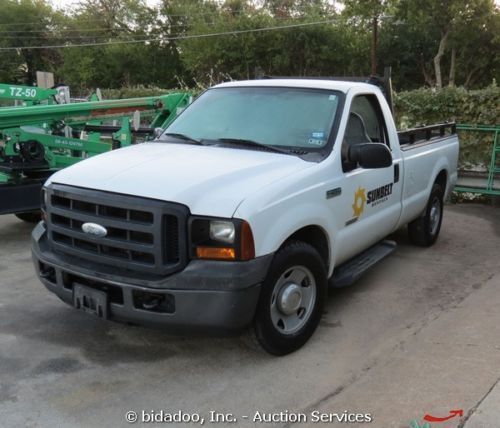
(317, 138)
(315, 142)
(319, 134)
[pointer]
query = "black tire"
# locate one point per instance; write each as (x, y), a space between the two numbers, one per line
(295, 256)
(30, 217)
(424, 230)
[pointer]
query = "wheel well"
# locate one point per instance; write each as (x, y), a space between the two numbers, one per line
(441, 179)
(315, 236)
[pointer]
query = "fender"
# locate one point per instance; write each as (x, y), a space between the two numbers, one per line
(441, 165)
(416, 193)
(289, 217)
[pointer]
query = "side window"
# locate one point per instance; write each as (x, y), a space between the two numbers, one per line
(366, 125)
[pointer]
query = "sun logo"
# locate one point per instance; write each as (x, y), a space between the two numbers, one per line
(359, 202)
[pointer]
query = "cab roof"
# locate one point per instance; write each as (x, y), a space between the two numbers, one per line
(336, 85)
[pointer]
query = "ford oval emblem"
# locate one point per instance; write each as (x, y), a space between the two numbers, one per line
(94, 229)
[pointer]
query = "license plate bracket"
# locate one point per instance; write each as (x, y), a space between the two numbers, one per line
(90, 300)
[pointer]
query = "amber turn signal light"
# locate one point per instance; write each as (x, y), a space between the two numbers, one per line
(247, 249)
(218, 253)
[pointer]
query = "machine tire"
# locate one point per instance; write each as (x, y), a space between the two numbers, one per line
(301, 300)
(30, 217)
(424, 230)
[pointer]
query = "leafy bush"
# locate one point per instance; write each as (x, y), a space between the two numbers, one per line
(427, 106)
(477, 107)
(133, 92)
(147, 91)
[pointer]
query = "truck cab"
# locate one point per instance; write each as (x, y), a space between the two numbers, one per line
(259, 197)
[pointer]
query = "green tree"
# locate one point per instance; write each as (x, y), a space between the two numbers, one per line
(129, 49)
(27, 23)
(431, 42)
(473, 60)
(368, 14)
(444, 20)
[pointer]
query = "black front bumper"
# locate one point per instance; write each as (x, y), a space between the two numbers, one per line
(18, 198)
(212, 296)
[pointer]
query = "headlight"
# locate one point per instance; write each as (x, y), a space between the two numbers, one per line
(222, 231)
(221, 239)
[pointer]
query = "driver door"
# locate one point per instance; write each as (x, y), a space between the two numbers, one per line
(371, 198)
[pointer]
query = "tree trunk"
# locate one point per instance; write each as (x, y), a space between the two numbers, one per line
(437, 59)
(374, 45)
(470, 77)
(30, 75)
(427, 76)
(451, 81)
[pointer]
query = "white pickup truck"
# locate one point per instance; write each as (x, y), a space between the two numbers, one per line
(255, 200)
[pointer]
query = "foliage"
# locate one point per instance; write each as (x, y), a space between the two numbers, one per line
(134, 92)
(26, 23)
(459, 23)
(426, 106)
(409, 33)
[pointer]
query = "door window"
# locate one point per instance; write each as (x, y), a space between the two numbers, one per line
(366, 125)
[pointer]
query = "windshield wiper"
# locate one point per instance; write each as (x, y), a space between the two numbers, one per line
(183, 137)
(251, 143)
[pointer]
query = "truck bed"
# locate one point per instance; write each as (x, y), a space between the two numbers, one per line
(418, 146)
(415, 137)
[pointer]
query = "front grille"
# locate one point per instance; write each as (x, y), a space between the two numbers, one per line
(143, 235)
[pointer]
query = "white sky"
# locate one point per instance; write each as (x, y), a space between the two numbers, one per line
(63, 4)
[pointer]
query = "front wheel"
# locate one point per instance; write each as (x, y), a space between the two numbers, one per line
(291, 300)
(424, 230)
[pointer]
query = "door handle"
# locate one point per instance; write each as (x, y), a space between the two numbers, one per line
(396, 172)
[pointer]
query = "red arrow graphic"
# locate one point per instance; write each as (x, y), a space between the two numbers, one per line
(453, 413)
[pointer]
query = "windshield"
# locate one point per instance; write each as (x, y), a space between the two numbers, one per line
(286, 117)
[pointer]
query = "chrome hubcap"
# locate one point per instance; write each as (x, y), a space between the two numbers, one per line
(435, 215)
(293, 299)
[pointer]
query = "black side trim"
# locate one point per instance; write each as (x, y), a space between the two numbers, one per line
(333, 192)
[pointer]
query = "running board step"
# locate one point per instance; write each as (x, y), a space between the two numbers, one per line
(349, 272)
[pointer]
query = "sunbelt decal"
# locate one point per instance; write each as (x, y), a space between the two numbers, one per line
(379, 195)
(359, 202)
(372, 197)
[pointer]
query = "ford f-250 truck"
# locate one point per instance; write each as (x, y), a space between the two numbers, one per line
(259, 196)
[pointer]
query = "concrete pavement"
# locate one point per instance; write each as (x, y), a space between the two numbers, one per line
(487, 413)
(419, 334)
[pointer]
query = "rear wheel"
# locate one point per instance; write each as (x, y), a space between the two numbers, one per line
(291, 300)
(30, 217)
(424, 230)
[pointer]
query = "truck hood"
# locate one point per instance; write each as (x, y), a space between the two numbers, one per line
(209, 180)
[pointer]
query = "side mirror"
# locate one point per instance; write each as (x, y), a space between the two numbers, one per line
(370, 155)
(157, 132)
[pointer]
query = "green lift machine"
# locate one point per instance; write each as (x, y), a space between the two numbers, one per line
(24, 96)
(28, 95)
(37, 140)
